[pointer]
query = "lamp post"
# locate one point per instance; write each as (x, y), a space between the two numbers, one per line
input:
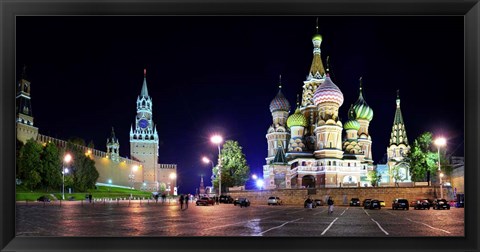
(131, 177)
(66, 159)
(217, 139)
(172, 177)
(440, 142)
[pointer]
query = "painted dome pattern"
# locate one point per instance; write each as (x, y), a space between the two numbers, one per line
(279, 103)
(362, 110)
(297, 119)
(352, 123)
(328, 92)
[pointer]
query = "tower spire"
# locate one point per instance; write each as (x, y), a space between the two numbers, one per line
(316, 70)
(144, 91)
(317, 25)
(280, 82)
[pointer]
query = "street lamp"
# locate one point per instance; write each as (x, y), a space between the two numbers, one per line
(131, 177)
(172, 177)
(66, 159)
(217, 139)
(439, 142)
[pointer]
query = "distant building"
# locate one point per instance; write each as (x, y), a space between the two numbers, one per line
(458, 174)
(150, 175)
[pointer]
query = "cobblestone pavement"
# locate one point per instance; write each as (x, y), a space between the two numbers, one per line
(114, 219)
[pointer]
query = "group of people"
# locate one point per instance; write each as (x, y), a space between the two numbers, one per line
(330, 202)
(184, 199)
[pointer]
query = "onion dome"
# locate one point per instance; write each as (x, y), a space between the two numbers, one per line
(279, 103)
(328, 92)
(362, 110)
(352, 123)
(297, 118)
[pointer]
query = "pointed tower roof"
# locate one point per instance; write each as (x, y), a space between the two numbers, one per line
(144, 91)
(112, 136)
(316, 69)
(399, 134)
(280, 156)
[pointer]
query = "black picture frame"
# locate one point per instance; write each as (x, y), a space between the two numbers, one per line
(11, 8)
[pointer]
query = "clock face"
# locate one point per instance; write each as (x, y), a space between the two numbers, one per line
(143, 123)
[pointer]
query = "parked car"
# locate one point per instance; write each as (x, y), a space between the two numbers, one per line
(422, 204)
(354, 202)
(318, 202)
(400, 203)
(225, 199)
(440, 204)
(205, 201)
(273, 200)
(242, 202)
(43, 199)
(382, 203)
(366, 203)
(375, 204)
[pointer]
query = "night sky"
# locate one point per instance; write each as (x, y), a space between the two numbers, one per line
(218, 74)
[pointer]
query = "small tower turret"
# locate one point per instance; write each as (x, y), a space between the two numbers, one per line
(113, 147)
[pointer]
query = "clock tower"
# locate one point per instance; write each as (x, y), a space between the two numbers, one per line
(144, 139)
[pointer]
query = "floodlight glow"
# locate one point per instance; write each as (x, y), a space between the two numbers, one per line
(216, 139)
(254, 176)
(206, 160)
(259, 183)
(441, 141)
(67, 158)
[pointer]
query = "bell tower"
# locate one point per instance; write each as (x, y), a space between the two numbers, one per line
(24, 122)
(144, 139)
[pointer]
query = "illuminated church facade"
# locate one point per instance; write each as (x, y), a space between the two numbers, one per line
(141, 170)
(312, 147)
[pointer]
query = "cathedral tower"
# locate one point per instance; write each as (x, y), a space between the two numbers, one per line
(113, 147)
(144, 138)
(297, 124)
(316, 76)
(278, 131)
(364, 115)
(25, 128)
(398, 147)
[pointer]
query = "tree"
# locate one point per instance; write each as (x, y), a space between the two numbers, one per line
(421, 158)
(396, 174)
(52, 167)
(235, 171)
(373, 176)
(84, 173)
(30, 164)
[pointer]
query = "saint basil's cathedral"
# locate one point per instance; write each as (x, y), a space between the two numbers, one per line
(308, 149)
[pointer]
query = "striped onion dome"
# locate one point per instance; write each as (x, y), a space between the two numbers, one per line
(328, 92)
(352, 123)
(297, 119)
(362, 110)
(279, 103)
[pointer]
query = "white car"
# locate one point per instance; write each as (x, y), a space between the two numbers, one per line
(274, 201)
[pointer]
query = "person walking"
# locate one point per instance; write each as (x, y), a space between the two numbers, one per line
(186, 201)
(181, 201)
(330, 205)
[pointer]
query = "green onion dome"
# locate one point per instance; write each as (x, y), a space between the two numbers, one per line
(362, 110)
(352, 123)
(297, 119)
(317, 37)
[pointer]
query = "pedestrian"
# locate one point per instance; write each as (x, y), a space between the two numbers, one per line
(216, 200)
(164, 197)
(181, 201)
(309, 202)
(186, 201)
(90, 198)
(156, 198)
(330, 205)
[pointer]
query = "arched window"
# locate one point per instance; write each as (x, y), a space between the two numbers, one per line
(329, 163)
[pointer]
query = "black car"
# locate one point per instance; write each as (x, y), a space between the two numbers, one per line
(317, 202)
(421, 204)
(375, 204)
(440, 204)
(242, 202)
(355, 202)
(225, 199)
(400, 204)
(43, 199)
(366, 203)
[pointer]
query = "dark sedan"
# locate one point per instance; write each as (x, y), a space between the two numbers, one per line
(205, 201)
(366, 203)
(440, 204)
(225, 199)
(355, 202)
(43, 199)
(375, 204)
(421, 204)
(400, 204)
(242, 202)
